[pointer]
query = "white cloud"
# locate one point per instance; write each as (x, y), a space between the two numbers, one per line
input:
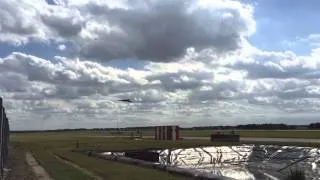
(62, 47)
(61, 21)
(20, 21)
(264, 64)
(147, 30)
(163, 30)
(63, 70)
(64, 78)
(202, 71)
(312, 41)
(65, 86)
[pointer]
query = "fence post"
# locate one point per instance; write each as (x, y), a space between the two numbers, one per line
(1, 137)
(4, 139)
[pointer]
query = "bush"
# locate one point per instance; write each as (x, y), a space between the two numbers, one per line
(296, 175)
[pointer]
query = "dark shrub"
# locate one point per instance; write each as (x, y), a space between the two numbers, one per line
(296, 175)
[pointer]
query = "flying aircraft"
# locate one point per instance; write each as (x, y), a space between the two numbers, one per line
(125, 100)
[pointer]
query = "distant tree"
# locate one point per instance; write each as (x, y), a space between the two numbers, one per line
(314, 126)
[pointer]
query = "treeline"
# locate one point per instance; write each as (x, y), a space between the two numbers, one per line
(259, 127)
(314, 126)
(66, 130)
(241, 127)
(85, 129)
(253, 127)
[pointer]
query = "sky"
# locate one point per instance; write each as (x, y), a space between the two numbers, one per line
(65, 63)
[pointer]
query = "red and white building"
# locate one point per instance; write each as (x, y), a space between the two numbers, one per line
(167, 133)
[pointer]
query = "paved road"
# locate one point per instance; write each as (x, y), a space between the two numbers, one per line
(253, 139)
(38, 170)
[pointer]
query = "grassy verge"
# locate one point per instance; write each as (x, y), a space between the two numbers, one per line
(18, 165)
(115, 170)
(258, 133)
(44, 148)
(60, 141)
(312, 134)
(300, 144)
(44, 145)
(57, 169)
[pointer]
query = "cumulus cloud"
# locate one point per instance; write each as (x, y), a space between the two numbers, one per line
(172, 77)
(312, 40)
(37, 21)
(147, 30)
(199, 67)
(62, 47)
(262, 64)
(20, 21)
(12, 82)
(62, 22)
(62, 70)
(65, 78)
(163, 30)
(183, 89)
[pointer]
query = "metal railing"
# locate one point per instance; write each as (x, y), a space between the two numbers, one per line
(4, 139)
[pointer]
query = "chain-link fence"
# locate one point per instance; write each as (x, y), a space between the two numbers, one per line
(4, 139)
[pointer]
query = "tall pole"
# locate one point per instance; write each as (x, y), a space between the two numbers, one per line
(118, 112)
(116, 117)
(117, 121)
(1, 137)
(126, 101)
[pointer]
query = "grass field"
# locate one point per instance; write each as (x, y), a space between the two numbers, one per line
(46, 147)
(312, 134)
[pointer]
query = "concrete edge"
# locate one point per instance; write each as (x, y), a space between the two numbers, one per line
(38, 170)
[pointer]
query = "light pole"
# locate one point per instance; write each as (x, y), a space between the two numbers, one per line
(124, 101)
(117, 120)
(113, 101)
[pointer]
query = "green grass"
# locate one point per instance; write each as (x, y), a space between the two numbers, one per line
(312, 134)
(44, 145)
(58, 169)
(68, 141)
(315, 134)
(115, 170)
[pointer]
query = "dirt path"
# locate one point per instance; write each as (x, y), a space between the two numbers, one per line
(78, 167)
(38, 170)
(19, 168)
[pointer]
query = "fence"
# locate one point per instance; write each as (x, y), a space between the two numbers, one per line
(4, 139)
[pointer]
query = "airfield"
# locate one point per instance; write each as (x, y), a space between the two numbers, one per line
(61, 155)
